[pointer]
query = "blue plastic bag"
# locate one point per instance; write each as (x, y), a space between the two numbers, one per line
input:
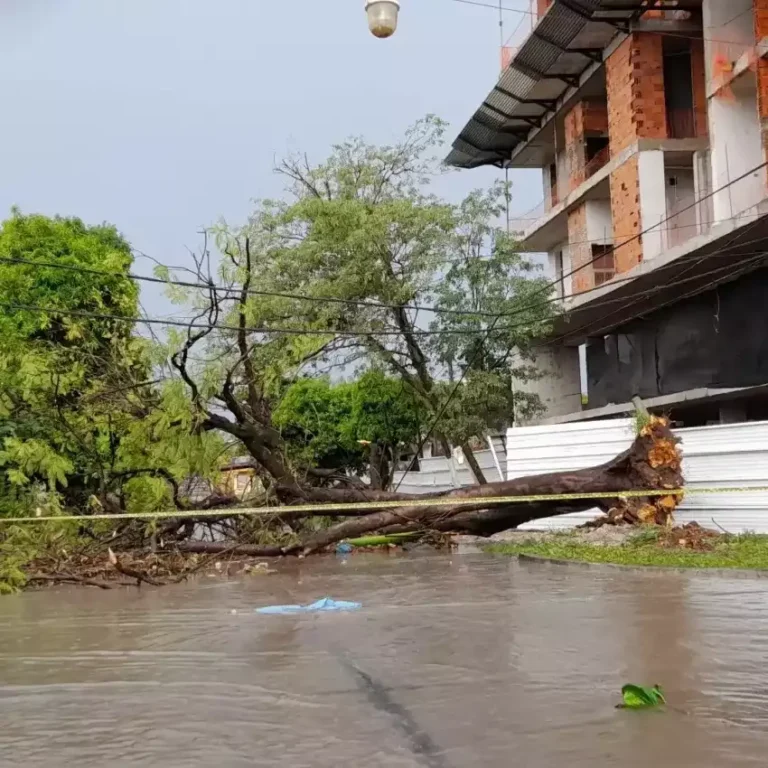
(325, 605)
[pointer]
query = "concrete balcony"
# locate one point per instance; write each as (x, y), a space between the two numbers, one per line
(543, 229)
(724, 251)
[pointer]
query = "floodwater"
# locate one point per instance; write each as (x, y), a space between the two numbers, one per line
(453, 661)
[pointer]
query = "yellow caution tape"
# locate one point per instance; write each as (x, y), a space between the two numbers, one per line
(376, 505)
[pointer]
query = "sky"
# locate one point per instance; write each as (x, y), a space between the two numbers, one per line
(163, 116)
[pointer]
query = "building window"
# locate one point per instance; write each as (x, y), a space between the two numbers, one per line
(603, 265)
(560, 274)
(678, 89)
(554, 198)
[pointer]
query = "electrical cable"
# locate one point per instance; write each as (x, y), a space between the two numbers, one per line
(352, 333)
(479, 347)
(237, 291)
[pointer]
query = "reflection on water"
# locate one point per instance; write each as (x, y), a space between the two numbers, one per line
(463, 661)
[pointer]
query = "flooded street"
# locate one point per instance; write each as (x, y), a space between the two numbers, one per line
(452, 661)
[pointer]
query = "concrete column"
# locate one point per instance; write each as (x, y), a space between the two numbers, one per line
(736, 150)
(559, 386)
(702, 180)
(653, 202)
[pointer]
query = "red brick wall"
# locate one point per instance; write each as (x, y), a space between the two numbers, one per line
(761, 18)
(625, 209)
(574, 145)
(586, 117)
(595, 116)
(699, 78)
(579, 249)
(761, 31)
(634, 75)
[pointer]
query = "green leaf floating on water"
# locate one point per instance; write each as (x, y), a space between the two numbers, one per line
(640, 697)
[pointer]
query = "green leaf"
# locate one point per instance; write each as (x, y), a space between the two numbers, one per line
(639, 696)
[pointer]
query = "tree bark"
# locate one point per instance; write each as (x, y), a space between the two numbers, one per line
(219, 547)
(379, 468)
(469, 455)
(652, 463)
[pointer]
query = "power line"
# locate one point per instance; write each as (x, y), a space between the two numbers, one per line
(320, 299)
(727, 267)
(663, 221)
(351, 333)
(235, 290)
(657, 229)
(365, 332)
(549, 286)
(301, 297)
(661, 32)
(479, 347)
(497, 7)
(638, 297)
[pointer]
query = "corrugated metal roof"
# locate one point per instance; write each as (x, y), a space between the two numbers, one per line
(553, 57)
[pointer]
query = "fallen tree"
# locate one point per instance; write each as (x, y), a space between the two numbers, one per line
(635, 482)
(652, 463)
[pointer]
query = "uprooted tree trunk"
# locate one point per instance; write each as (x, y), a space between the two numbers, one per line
(652, 463)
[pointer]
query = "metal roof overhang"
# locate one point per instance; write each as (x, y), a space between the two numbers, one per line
(729, 251)
(566, 42)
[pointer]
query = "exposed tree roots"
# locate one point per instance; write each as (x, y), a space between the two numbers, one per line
(653, 462)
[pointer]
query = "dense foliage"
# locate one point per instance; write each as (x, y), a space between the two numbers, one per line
(348, 426)
(397, 279)
(80, 427)
(339, 326)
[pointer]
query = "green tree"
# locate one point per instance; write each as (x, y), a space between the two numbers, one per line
(497, 304)
(362, 234)
(79, 421)
(356, 426)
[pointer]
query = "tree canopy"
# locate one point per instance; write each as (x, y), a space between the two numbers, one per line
(353, 318)
(357, 426)
(79, 421)
(360, 266)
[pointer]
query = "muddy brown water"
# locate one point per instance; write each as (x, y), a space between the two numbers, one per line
(453, 661)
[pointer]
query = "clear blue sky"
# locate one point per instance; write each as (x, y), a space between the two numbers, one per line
(161, 116)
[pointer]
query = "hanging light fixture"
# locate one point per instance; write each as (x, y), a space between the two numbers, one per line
(382, 17)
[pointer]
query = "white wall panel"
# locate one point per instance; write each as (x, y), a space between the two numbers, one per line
(725, 456)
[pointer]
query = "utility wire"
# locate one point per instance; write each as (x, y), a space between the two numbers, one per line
(257, 329)
(649, 229)
(300, 297)
(660, 32)
(547, 287)
(235, 290)
(351, 333)
(656, 230)
(479, 347)
(452, 394)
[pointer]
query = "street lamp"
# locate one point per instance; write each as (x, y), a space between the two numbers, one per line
(382, 16)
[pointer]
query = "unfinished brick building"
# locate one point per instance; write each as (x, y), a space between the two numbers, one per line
(649, 120)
